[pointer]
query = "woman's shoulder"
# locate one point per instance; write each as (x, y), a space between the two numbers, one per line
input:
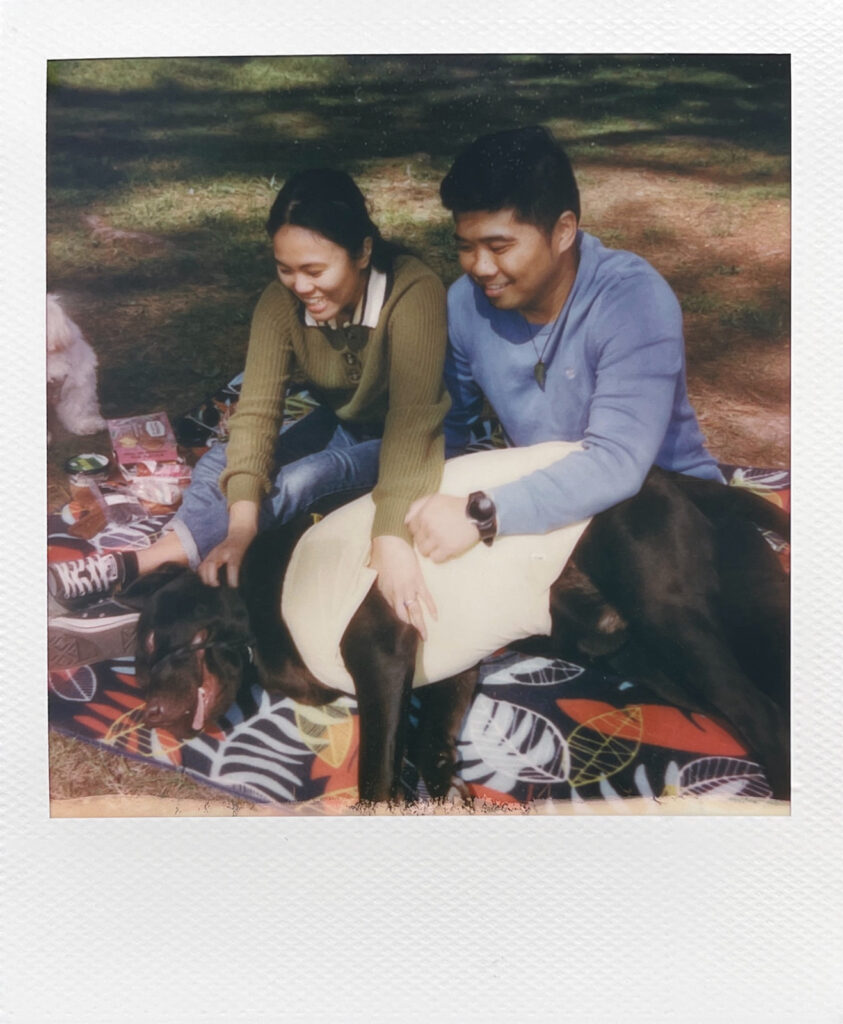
(277, 303)
(411, 275)
(275, 294)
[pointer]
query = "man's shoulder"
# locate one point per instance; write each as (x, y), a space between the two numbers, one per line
(463, 299)
(623, 281)
(469, 312)
(610, 266)
(462, 289)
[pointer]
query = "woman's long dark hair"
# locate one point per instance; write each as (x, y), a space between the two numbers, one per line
(328, 202)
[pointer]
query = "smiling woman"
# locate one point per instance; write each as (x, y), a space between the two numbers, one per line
(363, 322)
(324, 276)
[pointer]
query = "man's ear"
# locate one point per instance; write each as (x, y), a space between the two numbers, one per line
(565, 232)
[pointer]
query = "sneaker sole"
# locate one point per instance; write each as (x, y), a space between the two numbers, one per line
(72, 643)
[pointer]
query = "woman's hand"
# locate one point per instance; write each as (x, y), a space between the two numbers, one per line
(401, 582)
(228, 555)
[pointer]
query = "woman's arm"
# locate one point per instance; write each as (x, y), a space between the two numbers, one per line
(253, 431)
(228, 555)
(254, 426)
(412, 450)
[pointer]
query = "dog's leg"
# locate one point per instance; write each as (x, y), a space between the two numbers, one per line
(654, 558)
(756, 602)
(379, 651)
(443, 707)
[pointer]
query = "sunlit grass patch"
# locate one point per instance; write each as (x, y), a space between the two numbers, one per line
(200, 73)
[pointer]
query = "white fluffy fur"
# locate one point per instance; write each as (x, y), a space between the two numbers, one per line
(71, 373)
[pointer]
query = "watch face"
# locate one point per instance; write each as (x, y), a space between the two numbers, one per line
(481, 507)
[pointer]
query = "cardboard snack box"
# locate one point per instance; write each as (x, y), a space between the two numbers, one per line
(147, 438)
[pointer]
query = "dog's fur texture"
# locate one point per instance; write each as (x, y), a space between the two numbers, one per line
(676, 587)
(71, 373)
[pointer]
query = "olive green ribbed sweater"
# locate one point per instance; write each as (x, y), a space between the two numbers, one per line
(400, 385)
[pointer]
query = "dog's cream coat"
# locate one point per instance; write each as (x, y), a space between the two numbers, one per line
(486, 598)
(71, 373)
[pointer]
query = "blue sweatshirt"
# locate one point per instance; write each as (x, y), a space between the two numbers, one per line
(615, 380)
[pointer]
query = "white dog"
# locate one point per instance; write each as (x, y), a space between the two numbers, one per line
(71, 373)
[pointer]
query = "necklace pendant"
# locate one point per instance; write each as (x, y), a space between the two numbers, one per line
(540, 373)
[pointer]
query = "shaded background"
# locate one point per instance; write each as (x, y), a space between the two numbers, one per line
(683, 159)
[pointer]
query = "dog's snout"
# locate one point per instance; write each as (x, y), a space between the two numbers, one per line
(155, 712)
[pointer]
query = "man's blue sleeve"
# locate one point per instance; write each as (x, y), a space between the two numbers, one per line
(638, 354)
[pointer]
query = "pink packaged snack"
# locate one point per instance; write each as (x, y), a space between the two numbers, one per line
(148, 438)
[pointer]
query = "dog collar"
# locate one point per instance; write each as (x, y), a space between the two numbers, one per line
(190, 648)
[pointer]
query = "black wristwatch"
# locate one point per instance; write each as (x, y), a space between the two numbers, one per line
(481, 510)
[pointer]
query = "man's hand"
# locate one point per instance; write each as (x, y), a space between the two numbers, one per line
(440, 527)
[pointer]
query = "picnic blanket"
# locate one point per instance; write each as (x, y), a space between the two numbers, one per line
(539, 729)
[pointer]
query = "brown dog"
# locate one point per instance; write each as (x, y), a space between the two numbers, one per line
(676, 586)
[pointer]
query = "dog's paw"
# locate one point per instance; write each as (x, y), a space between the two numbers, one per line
(458, 793)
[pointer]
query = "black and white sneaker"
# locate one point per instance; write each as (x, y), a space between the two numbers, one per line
(100, 632)
(82, 581)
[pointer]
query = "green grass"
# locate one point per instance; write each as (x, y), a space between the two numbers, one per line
(193, 150)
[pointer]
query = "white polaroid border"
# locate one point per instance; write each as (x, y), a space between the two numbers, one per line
(424, 919)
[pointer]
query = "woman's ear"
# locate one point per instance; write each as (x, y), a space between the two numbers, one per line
(565, 231)
(366, 253)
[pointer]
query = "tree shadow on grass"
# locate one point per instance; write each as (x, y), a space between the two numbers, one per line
(172, 325)
(384, 108)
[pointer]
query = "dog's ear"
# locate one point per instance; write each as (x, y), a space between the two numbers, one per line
(141, 589)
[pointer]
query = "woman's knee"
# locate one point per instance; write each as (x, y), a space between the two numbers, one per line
(334, 470)
(209, 468)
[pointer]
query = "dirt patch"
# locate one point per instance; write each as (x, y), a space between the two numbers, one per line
(727, 256)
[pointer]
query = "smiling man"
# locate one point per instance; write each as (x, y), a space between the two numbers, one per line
(567, 339)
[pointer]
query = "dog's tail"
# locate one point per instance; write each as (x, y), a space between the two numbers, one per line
(717, 501)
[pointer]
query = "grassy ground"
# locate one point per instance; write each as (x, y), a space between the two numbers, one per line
(161, 172)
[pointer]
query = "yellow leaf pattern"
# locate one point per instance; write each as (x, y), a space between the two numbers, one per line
(327, 731)
(604, 744)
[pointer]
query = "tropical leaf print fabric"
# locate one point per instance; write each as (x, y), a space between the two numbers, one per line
(538, 728)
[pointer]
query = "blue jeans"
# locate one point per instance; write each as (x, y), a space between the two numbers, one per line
(315, 457)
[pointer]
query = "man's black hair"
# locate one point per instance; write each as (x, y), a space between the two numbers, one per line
(523, 169)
